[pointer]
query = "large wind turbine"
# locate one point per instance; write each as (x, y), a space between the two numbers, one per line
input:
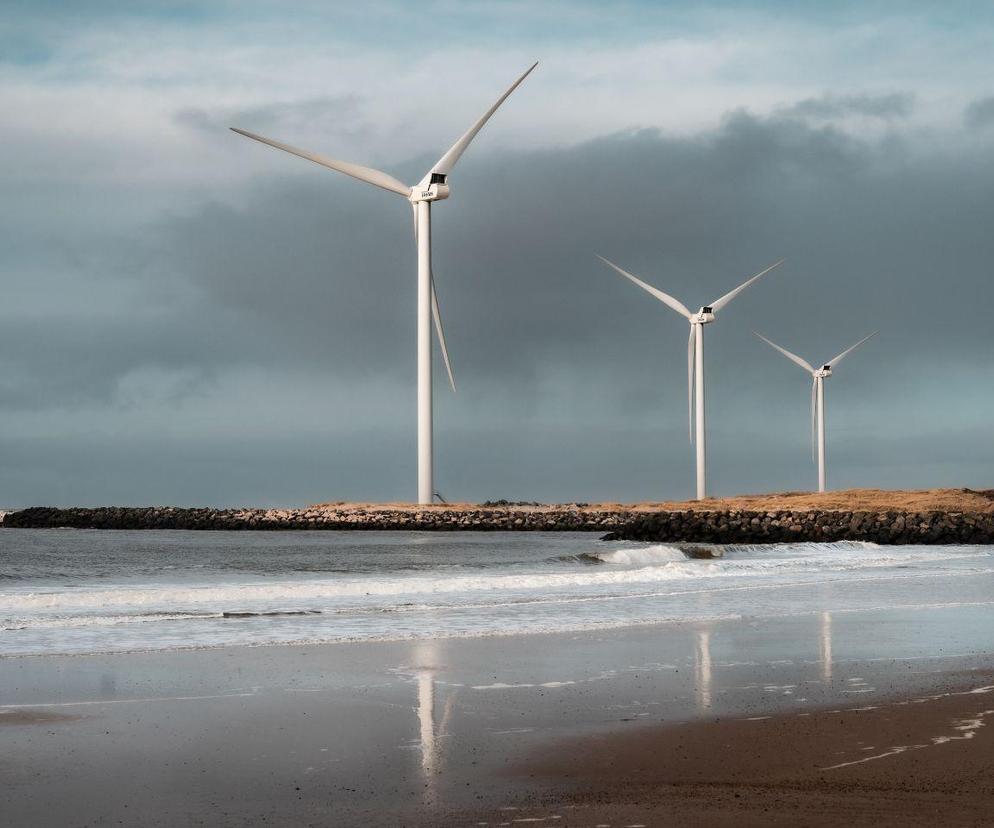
(695, 359)
(433, 187)
(817, 398)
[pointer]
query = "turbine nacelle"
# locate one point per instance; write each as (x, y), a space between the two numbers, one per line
(433, 187)
(824, 371)
(703, 316)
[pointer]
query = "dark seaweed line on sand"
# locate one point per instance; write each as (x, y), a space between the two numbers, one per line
(688, 526)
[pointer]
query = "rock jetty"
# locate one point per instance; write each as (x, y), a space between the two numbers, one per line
(890, 527)
(553, 518)
(719, 526)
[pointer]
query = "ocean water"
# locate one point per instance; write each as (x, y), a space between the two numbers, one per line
(65, 591)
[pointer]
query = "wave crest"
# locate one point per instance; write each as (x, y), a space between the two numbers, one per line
(645, 556)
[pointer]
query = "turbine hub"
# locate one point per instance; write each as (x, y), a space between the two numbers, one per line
(433, 187)
(824, 371)
(704, 315)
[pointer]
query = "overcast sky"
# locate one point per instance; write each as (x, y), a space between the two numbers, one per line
(189, 317)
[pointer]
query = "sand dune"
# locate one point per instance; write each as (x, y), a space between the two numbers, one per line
(870, 500)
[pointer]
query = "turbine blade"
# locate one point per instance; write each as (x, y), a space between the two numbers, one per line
(786, 353)
(690, 382)
(367, 174)
(718, 304)
(832, 363)
(445, 164)
(436, 314)
(665, 298)
(814, 419)
(414, 208)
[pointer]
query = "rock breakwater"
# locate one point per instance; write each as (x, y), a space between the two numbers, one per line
(553, 518)
(819, 526)
(725, 526)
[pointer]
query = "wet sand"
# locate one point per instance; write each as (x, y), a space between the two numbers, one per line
(922, 760)
(642, 725)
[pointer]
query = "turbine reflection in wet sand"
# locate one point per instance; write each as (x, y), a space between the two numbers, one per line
(427, 663)
(826, 647)
(702, 670)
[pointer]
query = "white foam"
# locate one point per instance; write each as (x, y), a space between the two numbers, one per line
(644, 556)
(293, 593)
(635, 584)
(965, 728)
(645, 565)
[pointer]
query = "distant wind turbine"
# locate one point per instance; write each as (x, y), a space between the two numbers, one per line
(817, 398)
(433, 187)
(695, 358)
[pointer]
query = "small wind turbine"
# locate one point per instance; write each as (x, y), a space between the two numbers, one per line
(695, 359)
(817, 398)
(433, 187)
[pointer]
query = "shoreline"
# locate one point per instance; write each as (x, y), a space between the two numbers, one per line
(637, 523)
(436, 732)
(674, 626)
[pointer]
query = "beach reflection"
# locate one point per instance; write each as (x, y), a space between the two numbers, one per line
(826, 647)
(702, 670)
(426, 718)
(427, 663)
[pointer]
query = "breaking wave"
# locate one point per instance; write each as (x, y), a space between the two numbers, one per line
(596, 584)
(644, 556)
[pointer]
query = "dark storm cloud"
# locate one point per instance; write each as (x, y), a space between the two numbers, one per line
(572, 380)
(318, 270)
(326, 267)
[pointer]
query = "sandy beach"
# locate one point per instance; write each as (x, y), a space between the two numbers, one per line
(909, 760)
(906, 500)
(757, 721)
(419, 679)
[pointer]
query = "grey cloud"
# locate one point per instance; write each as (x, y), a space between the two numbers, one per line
(333, 117)
(326, 265)
(62, 361)
(572, 381)
(828, 107)
(980, 113)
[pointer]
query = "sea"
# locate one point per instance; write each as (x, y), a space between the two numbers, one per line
(80, 591)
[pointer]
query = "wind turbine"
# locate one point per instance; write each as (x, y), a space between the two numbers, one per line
(433, 187)
(817, 398)
(695, 359)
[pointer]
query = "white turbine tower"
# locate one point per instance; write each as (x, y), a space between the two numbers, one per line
(817, 398)
(695, 359)
(433, 187)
